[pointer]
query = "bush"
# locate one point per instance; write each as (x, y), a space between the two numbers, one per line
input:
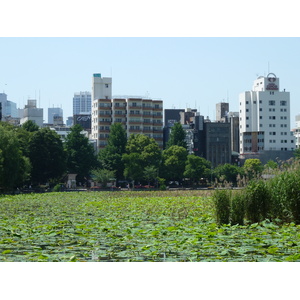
(221, 199)
(57, 188)
(286, 196)
(237, 209)
(257, 201)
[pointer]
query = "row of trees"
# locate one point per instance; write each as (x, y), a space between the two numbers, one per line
(33, 156)
(139, 159)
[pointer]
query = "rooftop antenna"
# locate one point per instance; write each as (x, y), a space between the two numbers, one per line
(39, 98)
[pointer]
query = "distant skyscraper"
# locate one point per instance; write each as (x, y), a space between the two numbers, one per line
(82, 103)
(3, 100)
(54, 112)
(9, 108)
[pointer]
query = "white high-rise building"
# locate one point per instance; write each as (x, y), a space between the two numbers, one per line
(265, 117)
(82, 103)
(101, 89)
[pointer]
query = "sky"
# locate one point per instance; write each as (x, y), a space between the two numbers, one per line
(185, 72)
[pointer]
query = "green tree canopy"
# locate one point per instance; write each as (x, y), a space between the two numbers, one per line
(103, 176)
(30, 126)
(196, 168)
(47, 156)
(177, 136)
(141, 152)
(150, 173)
(81, 158)
(173, 165)
(252, 167)
(111, 156)
(228, 172)
(14, 166)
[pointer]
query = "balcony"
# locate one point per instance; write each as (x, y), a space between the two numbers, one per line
(104, 122)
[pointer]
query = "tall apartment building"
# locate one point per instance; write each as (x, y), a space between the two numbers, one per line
(82, 103)
(265, 118)
(137, 115)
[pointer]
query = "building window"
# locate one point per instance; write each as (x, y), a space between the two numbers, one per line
(282, 103)
(272, 102)
(106, 85)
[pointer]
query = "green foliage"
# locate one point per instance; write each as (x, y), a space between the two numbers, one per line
(134, 226)
(57, 187)
(141, 152)
(30, 126)
(162, 183)
(111, 156)
(271, 165)
(228, 173)
(221, 200)
(237, 213)
(285, 191)
(257, 201)
(177, 136)
(14, 166)
(81, 158)
(103, 176)
(133, 166)
(252, 168)
(196, 168)
(297, 153)
(174, 159)
(47, 156)
(150, 173)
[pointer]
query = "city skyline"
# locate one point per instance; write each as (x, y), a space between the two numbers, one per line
(184, 72)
